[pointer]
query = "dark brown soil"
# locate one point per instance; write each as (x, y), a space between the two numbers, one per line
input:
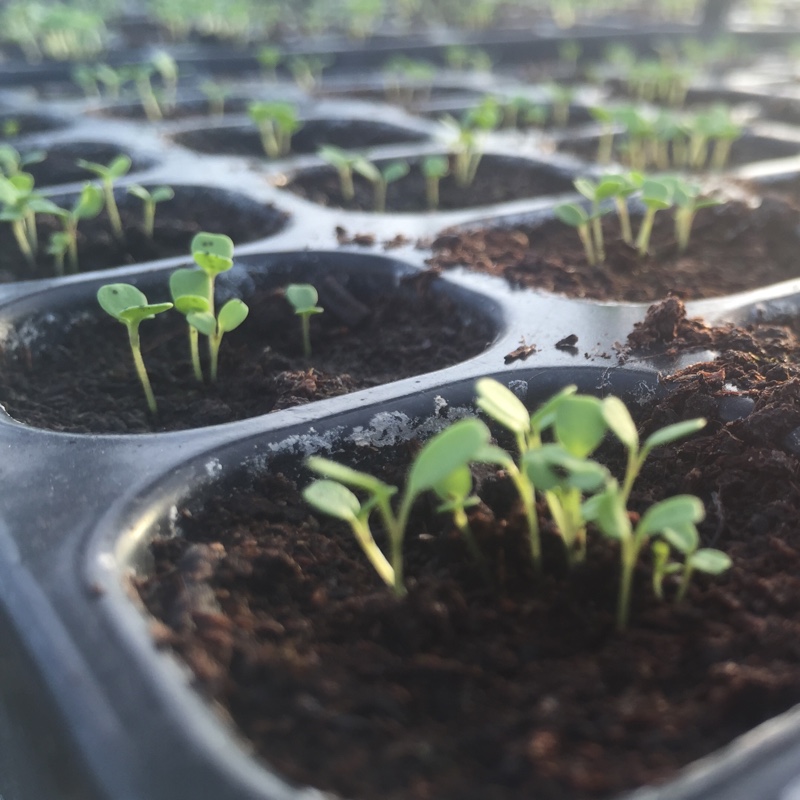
(352, 134)
(193, 209)
(81, 379)
(750, 148)
(733, 248)
(60, 166)
(469, 688)
(499, 179)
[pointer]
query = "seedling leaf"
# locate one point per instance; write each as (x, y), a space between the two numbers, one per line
(579, 424)
(502, 405)
(673, 432)
(332, 498)
(710, 561)
(232, 315)
(619, 420)
(204, 322)
(674, 512)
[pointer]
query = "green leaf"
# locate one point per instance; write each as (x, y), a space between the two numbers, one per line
(114, 298)
(90, 202)
(191, 303)
(674, 512)
(454, 447)
(571, 214)
(367, 170)
(395, 171)
(232, 315)
(143, 312)
(212, 264)
(455, 486)
(216, 244)
(204, 322)
(683, 538)
(41, 205)
(351, 477)
(435, 167)
(608, 512)
(162, 193)
(579, 425)
(619, 420)
(551, 466)
(673, 432)
(586, 187)
(119, 166)
(332, 498)
(492, 454)
(191, 282)
(302, 296)
(502, 405)
(710, 561)
(545, 414)
(656, 194)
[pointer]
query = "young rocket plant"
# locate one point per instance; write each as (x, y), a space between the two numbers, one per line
(303, 298)
(445, 453)
(65, 243)
(129, 306)
(380, 178)
(343, 162)
(688, 201)
(19, 205)
(656, 196)
(434, 168)
(119, 167)
(149, 201)
(276, 123)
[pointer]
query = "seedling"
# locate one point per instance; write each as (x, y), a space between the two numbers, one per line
(88, 205)
(380, 178)
(343, 161)
(303, 299)
(85, 77)
(19, 205)
(605, 145)
(466, 146)
(269, 57)
(307, 70)
(129, 306)
(434, 168)
(12, 162)
(576, 217)
(190, 290)
(448, 451)
(142, 75)
(118, 167)
(408, 79)
(111, 79)
(688, 201)
(656, 196)
(276, 122)
(596, 193)
(149, 200)
(455, 492)
(561, 98)
(696, 559)
(216, 94)
(166, 66)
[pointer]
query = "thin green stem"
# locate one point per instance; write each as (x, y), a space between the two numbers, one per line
(306, 326)
(138, 361)
(214, 342)
(643, 239)
(373, 552)
(18, 227)
(194, 348)
(149, 218)
(113, 211)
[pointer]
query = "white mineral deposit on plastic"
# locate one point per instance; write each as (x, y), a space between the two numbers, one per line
(213, 467)
(385, 428)
(520, 389)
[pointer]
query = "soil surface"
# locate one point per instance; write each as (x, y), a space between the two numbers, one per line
(498, 179)
(352, 134)
(732, 248)
(81, 378)
(193, 209)
(499, 687)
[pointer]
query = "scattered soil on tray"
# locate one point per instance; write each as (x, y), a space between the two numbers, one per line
(464, 690)
(193, 209)
(498, 180)
(746, 150)
(733, 248)
(351, 134)
(81, 377)
(60, 164)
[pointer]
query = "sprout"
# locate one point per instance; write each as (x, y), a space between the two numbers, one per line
(130, 307)
(276, 122)
(596, 193)
(701, 559)
(687, 199)
(142, 75)
(269, 57)
(12, 162)
(445, 453)
(406, 77)
(149, 199)
(19, 205)
(303, 299)
(216, 94)
(167, 68)
(605, 145)
(656, 196)
(111, 79)
(466, 146)
(88, 205)
(307, 70)
(381, 178)
(343, 162)
(108, 174)
(561, 98)
(190, 290)
(455, 492)
(576, 217)
(86, 79)
(434, 168)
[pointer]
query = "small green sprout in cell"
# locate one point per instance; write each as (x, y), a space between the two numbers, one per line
(514, 110)
(19, 205)
(455, 492)
(167, 68)
(561, 98)
(268, 58)
(380, 178)
(276, 123)
(216, 94)
(343, 162)
(12, 162)
(87, 206)
(688, 201)
(142, 76)
(445, 453)
(597, 193)
(149, 200)
(570, 52)
(119, 167)
(656, 196)
(434, 168)
(605, 144)
(11, 128)
(129, 306)
(303, 298)
(307, 70)
(457, 57)
(190, 290)
(408, 79)
(724, 131)
(576, 217)
(466, 147)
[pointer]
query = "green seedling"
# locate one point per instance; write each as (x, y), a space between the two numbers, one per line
(505, 408)
(142, 76)
(486, 116)
(86, 79)
(724, 131)
(129, 306)
(627, 184)
(216, 94)
(119, 167)
(343, 162)
(695, 558)
(408, 79)
(190, 290)
(11, 128)
(363, 16)
(516, 109)
(448, 451)
(149, 200)
(380, 178)
(576, 217)
(303, 298)
(230, 317)
(561, 99)
(605, 144)
(12, 162)
(466, 147)
(656, 196)
(307, 70)
(19, 205)
(463, 58)
(65, 243)
(455, 492)
(276, 123)
(111, 79)
(268, 58)
(597, 193)
(167, 68)
(688, 201)
(434, 168)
